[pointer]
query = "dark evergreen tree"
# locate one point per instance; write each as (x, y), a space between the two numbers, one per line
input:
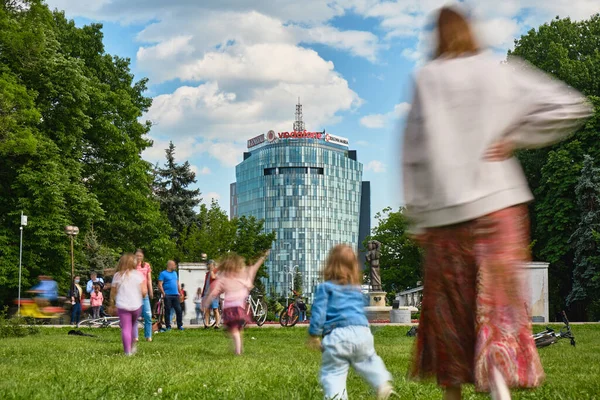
(586, 272)
(177, 201)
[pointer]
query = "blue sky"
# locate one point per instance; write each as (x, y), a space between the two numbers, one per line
(222, 72)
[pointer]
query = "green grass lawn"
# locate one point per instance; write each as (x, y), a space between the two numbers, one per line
(198, 364)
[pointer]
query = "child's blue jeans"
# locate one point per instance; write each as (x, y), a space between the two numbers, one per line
(345, 347)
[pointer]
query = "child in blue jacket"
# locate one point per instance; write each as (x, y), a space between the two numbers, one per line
(338, 316)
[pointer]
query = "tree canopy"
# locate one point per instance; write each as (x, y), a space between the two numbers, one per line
(70, 149)
(569, 51)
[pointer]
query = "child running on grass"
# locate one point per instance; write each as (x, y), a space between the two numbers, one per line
(236, 281)
(127, 291)
(338, 316)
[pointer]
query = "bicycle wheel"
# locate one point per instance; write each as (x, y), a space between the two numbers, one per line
(545, 341)
(211, 319)
(293, 319)
(283, 317)
(261, 313)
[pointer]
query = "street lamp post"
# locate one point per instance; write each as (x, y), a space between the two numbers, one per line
(23, 223)
(72, 231)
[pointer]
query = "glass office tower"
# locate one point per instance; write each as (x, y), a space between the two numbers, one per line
(307, 186)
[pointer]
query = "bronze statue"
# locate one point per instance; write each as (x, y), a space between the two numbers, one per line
(373, 254)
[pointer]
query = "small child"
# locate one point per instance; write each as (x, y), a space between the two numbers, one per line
(127, 291)
(236, 281)
(338, 315)
(96, 301)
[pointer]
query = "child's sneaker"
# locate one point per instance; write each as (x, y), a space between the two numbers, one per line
(133, 349)
(385, 391)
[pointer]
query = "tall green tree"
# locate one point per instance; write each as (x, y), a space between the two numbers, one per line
(212, 234)
(70, 147)
(177, 201)
(400, 262)
(567, 50)
(586, 273)
(251, 242)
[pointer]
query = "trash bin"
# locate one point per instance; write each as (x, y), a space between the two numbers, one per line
(400, 316)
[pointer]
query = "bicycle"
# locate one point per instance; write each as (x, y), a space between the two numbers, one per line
(211, 318)
(550, 336)
(40, 311)
(291, 314)
(102, 322)
(258, 308)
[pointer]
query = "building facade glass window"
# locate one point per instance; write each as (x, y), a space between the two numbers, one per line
(309, 192)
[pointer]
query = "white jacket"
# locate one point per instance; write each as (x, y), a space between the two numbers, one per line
(461, 107)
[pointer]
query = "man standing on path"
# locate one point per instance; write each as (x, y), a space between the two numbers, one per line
(168, 284)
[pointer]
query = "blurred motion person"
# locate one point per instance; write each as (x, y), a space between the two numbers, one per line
(127, 290)
(146, 270)
(46, 290)
(338, 315)
(209, 280)
(236, 281)
(466, 197)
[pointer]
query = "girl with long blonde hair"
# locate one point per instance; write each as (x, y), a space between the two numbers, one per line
(128, 288)
(338, 316)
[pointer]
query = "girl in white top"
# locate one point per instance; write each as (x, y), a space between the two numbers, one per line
(127, 291)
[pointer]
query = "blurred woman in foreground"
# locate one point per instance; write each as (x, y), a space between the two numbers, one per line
(466, 197)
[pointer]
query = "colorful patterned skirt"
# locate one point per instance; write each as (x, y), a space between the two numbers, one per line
(474, 314)
(235, 317)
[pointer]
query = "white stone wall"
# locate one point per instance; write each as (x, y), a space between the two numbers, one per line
(536, 280)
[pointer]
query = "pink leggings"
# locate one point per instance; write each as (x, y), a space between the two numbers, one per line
(128, 321)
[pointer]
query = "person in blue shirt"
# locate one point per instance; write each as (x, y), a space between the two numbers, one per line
(338, 316)
(168, 284)
(94, 279)
(46, 290)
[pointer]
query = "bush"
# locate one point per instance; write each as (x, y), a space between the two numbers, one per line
(15, 326)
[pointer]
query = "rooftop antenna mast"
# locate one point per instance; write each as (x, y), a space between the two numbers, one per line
(298, 124)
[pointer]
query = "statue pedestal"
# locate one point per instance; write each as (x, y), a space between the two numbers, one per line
(377, 310)
(377, 299)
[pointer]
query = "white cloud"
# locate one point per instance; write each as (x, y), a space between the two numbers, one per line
(211, 196)
(373, 121)
(376, 121)
(375, 166)
(208, 197)
(209, 112)
(198, 171)
(205, 171)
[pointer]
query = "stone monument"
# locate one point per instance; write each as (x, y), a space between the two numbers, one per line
(376, 310)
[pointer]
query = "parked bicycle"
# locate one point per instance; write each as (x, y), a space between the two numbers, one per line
(550, 336)
(102, 322)
(211, 317)
(258, 307)
(291, 314)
